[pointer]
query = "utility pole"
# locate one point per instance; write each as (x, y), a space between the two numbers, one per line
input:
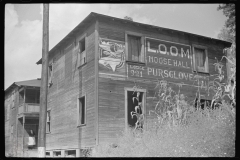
(44, 84)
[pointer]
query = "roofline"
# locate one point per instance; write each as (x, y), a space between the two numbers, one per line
(96, 15)
(70, 33)
(16, 85)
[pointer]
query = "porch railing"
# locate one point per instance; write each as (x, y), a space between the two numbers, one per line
(28, 108)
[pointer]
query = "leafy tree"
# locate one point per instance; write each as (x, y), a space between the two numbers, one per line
(229, 11)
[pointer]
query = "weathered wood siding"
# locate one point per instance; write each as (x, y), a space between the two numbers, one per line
(70, 83)
(111, 86)
(11, 139)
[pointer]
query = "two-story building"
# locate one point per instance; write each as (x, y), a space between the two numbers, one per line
(93, 71)
(21, 115)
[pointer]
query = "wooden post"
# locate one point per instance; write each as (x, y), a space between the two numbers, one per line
(44, 85)
(24, 100)
(23, 134)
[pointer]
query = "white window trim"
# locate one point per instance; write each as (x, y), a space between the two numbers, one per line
(78, 109)
(78, 49)
(142, 46)
(126, 89)
(206, 65)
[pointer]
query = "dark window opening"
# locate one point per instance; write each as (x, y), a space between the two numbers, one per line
(134, 112)
(70, 153)
(82, 52)
(57, 154)
(203, 103)
(82, 110)
(50, 74)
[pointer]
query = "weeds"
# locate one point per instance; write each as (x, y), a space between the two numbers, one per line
(181, 130)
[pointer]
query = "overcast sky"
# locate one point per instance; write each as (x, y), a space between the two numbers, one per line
(23, 27)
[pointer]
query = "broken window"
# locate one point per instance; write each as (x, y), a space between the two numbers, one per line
(82, 52)
(81, 111)
(135, 109)
(50, 74)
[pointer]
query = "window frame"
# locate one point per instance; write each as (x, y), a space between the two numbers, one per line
(50, 75)
(79, 116)
(79, 52)
(130, 33)
(206, 64)
(48, 122)
(126, 89)
(13, 99)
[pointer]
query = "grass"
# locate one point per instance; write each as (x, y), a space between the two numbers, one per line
(205, 135)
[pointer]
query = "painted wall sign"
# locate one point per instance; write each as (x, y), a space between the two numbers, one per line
(167, 60)
(111, 56)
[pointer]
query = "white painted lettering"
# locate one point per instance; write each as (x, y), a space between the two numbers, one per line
(169, 62)
(185, 54)
(150, 59)
(175, 63)
(166, 73)
(175, 53)
(149, 49)
(165, 61)
(171, 74)
(149, 70)
(161, 46)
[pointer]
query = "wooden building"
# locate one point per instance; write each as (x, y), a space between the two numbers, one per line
(21, 115)
(93, 71)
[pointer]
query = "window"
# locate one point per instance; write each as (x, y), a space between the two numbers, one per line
(70, 153)
(8, 110)
(56, 153)
(200, 58)
(48, 129)
(134, 108)
(82, 52)
(47, 154)
(135, 47)
(11, 131)
(50, 74)
(81, 111)
(13, 99)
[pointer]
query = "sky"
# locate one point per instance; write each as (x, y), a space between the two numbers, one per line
(23, 27)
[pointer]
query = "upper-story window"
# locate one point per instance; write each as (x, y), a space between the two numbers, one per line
(135, 47)
(50, 74)
(82, 52)
(13, 99)
(81, 104)
(200, 59)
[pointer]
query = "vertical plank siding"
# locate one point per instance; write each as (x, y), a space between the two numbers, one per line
(69, 83)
